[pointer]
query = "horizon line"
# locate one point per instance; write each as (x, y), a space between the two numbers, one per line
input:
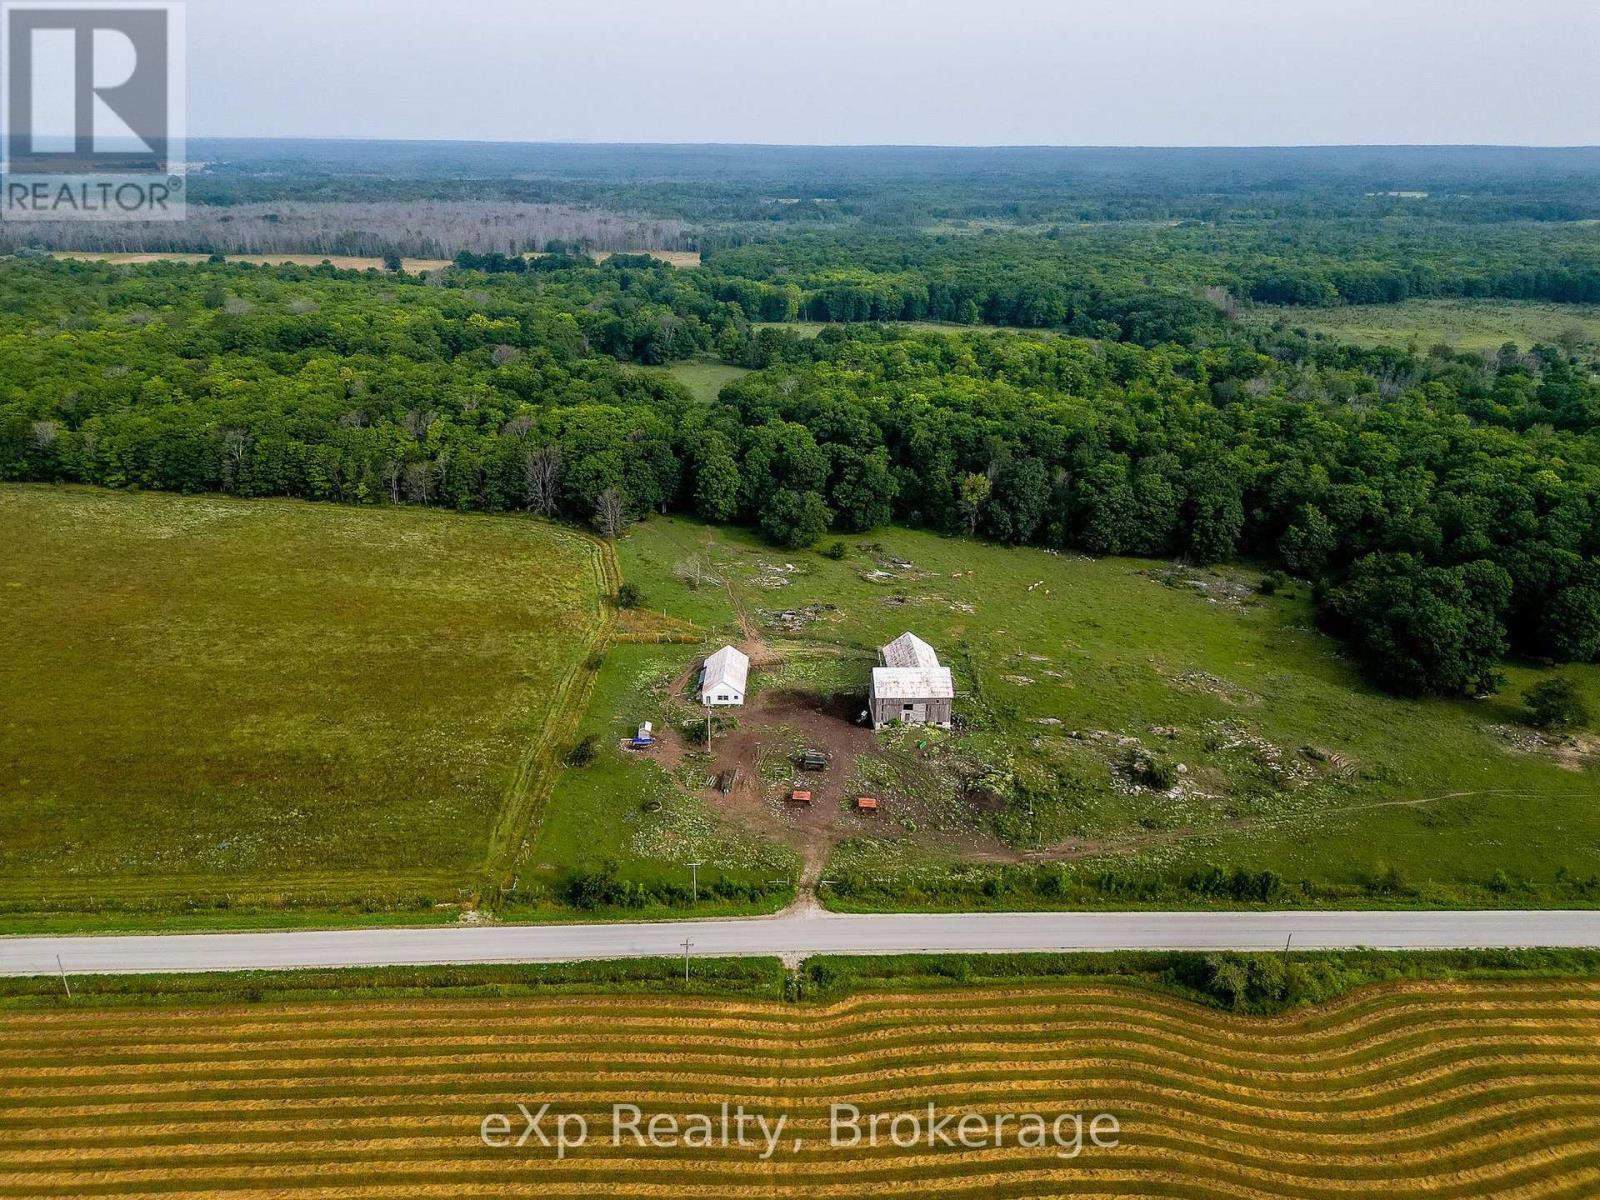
(738, 145)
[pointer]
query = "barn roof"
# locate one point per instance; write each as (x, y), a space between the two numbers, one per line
(908, 650)
(913, 683)
(728, 667)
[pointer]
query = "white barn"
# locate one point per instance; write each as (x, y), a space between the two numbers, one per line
(723, 678)
(911, 687)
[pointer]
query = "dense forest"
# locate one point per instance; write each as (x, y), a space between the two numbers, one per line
(1446, 506)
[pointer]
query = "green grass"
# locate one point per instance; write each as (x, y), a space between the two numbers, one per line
(704, 377)
(598, 813)
(245, 707)
(246, 713)
(1462, 324)
(1293, 763)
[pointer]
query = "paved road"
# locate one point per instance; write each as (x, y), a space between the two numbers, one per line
(799, 934)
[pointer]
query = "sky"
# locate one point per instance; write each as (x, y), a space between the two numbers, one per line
(935, 72)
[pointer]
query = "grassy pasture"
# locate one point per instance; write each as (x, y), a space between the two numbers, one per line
(1462, 324)
(256, 706)
(1436, 1089)
(597, 813)
(1293, 762)
(705, 377)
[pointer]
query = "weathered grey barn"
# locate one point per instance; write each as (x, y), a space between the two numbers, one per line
(910, 687)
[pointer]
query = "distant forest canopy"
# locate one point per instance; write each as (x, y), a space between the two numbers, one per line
(1096, 242)
(906, 185)
(436, 229)
(1447, 505)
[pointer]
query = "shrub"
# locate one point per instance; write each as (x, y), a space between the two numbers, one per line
(1272, 583)
(629, 596)
(582, 753)
(836, 551)
(1555, 703)
(1148, 770)
(1389, 881)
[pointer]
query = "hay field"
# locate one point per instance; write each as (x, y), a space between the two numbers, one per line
(1462, 324)
(1462, 1090)
(211, 706)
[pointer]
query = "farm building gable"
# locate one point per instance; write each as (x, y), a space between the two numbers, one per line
(908, 650)
(911, 687)
(724, 676)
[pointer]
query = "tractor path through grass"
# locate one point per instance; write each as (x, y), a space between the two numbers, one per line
(541, 759)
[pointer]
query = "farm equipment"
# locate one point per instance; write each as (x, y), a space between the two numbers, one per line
(813, 760)
(644, 738)
(867, 805)
(799, 796)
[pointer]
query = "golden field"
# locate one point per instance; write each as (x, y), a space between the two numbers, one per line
(1419, 1089)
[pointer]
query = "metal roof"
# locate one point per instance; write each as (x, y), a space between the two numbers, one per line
(908, 650)
(913, 683)
(728, 667)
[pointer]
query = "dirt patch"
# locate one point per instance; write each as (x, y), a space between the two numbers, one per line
(1215, 685)
(1212, 586)
(1571, 751)
(795, 620)
(764, 749)
(919, 792)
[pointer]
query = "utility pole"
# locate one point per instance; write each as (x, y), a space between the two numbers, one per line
(64, 982)
(686, 944)
(708, 726)
(694, 879)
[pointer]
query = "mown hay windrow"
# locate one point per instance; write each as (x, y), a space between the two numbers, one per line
(1457, 1090)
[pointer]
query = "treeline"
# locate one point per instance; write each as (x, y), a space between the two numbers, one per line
(909, 186)
(1448, 508)
(336, 386)
(1064, 275)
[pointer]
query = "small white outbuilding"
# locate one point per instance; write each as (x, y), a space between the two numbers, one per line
(723, 678)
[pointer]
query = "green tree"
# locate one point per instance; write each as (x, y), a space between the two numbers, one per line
(1571, 624)
(716, 479)
(971, 495)
(864, 489)
(1308, 544)
(1423, 630)
(794, 519)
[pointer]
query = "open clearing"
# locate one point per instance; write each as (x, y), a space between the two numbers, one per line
(705, 377)
(1444, 1090)
(216, 706)
(1067, 670)
(1461, 324)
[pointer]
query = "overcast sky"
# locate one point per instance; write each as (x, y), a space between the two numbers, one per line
(973, 72)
